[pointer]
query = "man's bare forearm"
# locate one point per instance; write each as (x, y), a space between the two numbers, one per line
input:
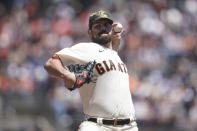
(115, 47)
(55, 69)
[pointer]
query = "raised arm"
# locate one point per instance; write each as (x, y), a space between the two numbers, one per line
(116, 37)
(55, 69)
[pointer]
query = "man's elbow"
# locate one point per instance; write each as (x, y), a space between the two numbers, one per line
(47, 65)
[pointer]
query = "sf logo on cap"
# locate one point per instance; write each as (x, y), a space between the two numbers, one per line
(102, 13)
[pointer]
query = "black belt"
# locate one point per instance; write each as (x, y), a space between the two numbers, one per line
(112, 122)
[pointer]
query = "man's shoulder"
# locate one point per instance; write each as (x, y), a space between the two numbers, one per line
(88, 46)
(91, 44)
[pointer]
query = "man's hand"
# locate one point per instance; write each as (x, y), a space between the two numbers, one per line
(116, 37)
(69, 80)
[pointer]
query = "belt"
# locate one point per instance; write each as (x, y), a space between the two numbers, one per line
(113, 122)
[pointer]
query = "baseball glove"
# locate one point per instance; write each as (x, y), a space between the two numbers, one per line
(83, 73)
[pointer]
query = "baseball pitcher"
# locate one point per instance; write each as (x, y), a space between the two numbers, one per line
(100, 76)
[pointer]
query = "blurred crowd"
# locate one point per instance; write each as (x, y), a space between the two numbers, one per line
(159, 48)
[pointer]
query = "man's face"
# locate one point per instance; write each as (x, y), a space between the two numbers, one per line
(100, 31)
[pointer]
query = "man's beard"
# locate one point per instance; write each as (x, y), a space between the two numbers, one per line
(101, 39)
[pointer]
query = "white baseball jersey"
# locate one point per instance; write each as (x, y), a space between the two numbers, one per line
(110, 96)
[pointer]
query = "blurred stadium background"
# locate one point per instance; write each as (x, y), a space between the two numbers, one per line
(159, 48)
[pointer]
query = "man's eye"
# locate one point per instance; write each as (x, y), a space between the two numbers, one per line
(106, 24)
(97, 26)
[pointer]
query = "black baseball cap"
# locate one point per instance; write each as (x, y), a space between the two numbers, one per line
(99, 15)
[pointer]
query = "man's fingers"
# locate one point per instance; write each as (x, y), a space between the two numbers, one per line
(123, 31)
(114, 24)
(120, 33)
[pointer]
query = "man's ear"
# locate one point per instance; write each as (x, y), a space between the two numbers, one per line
(90, 32)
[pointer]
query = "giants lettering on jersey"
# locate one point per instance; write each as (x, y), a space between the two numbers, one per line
(110, 66)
